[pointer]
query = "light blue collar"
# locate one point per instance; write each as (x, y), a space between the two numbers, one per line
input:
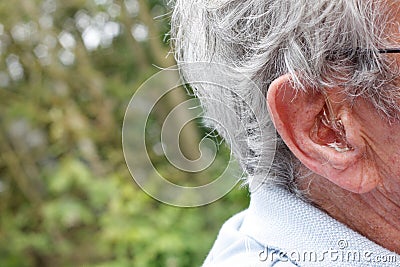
(279, 220)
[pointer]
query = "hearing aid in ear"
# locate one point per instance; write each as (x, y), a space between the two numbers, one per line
(328, 130)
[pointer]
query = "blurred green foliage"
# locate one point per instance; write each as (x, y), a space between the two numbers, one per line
(67, 72)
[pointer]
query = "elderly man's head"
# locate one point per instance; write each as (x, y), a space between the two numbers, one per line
(331, 86)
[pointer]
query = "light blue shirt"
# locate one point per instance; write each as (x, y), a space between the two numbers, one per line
(278, 229)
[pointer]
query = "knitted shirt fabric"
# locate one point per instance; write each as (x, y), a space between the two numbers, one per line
(279, 229)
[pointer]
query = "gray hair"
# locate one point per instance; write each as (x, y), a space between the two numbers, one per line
(320, 43)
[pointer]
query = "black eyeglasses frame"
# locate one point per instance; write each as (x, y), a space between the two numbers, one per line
(389, 50)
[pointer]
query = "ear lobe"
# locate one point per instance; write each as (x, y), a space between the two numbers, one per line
(336, 152)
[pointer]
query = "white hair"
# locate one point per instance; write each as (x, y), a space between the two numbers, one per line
(320, 43)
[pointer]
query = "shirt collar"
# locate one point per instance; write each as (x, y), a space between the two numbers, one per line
(279, 219)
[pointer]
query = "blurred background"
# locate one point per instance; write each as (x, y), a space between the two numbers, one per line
(67, 72)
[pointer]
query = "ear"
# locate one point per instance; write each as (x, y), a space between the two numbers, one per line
(338, 156)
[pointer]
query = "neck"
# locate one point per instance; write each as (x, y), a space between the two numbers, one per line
(375, 215)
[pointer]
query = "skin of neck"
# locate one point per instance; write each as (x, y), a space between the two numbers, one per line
(375, 215)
